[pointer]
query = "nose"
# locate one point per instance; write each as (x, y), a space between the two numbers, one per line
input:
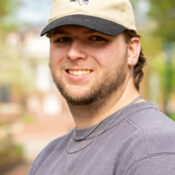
(77, 50)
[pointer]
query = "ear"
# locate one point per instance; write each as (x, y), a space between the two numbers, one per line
(134, 48)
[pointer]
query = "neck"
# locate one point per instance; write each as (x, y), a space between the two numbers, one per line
(89, 115)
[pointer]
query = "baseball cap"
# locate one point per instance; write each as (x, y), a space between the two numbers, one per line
(109, 17)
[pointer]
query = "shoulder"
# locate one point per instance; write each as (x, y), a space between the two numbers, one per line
(58, 143)
(155, 128)
(159, 164)
(152, 142)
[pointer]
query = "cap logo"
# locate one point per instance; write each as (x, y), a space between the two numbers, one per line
(81, 2)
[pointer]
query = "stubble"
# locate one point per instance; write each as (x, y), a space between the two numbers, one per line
(110, 83)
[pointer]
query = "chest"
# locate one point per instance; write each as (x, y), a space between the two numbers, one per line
(109, 154)
(97, 159)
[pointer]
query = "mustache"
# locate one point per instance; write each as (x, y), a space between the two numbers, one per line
(76, 65)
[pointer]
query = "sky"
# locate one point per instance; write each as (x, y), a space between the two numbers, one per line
(34, 12)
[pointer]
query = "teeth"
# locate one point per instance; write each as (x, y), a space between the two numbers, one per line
(79, 72)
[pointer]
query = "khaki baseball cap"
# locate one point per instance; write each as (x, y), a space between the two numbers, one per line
(109, 17)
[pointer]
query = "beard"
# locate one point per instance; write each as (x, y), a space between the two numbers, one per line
(111, 82)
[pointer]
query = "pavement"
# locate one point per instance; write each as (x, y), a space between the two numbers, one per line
(35, 136)
(21, 169)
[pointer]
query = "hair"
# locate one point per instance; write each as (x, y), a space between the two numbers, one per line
(138, 68)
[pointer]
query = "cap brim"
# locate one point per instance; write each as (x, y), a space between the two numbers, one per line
(95, 23)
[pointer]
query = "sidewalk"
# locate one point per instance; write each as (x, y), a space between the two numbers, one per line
(35, 136)
(21, 169)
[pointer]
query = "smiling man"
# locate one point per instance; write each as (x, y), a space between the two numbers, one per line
(96, 62)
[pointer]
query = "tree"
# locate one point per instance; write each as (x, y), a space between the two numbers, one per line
(163, 14)
(7, 9)
(12, 65)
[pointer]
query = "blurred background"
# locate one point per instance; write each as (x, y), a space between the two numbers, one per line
(32, 112)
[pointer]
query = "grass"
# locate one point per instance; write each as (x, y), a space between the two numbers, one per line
(172, 116)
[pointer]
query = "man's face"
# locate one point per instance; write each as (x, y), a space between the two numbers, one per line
(86, 65)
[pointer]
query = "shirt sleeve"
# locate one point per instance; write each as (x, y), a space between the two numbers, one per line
(42, 157)
(158, 164)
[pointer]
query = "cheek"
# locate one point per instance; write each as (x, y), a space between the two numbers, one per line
(110, 54)
(56, 55)
(108, 58)
(111, 60)
(101, 56)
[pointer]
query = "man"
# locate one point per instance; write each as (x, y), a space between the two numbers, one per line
(96, 62)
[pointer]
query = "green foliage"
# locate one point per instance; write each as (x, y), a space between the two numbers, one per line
(7, 10)
(151, 44)
(15, 71)
(134, 3)
(163, 12)
(27, 118)
(173, 70)
(153, 49)
(7, 7)
(172, 116)
(10, 153)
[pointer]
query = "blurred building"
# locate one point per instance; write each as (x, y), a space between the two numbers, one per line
(30, 104)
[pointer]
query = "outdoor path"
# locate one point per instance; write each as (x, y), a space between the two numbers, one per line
(35, 136)
(21, 169)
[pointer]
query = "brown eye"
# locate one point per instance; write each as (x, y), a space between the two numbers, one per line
(62, 40)
(97, 38)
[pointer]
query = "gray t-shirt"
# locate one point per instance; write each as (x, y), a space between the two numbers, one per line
(136, 140)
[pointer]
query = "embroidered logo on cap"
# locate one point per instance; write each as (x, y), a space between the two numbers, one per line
(81, 2)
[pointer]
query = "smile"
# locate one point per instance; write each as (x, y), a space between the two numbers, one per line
(79, 72)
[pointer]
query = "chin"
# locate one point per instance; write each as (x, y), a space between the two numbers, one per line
(83, 99)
